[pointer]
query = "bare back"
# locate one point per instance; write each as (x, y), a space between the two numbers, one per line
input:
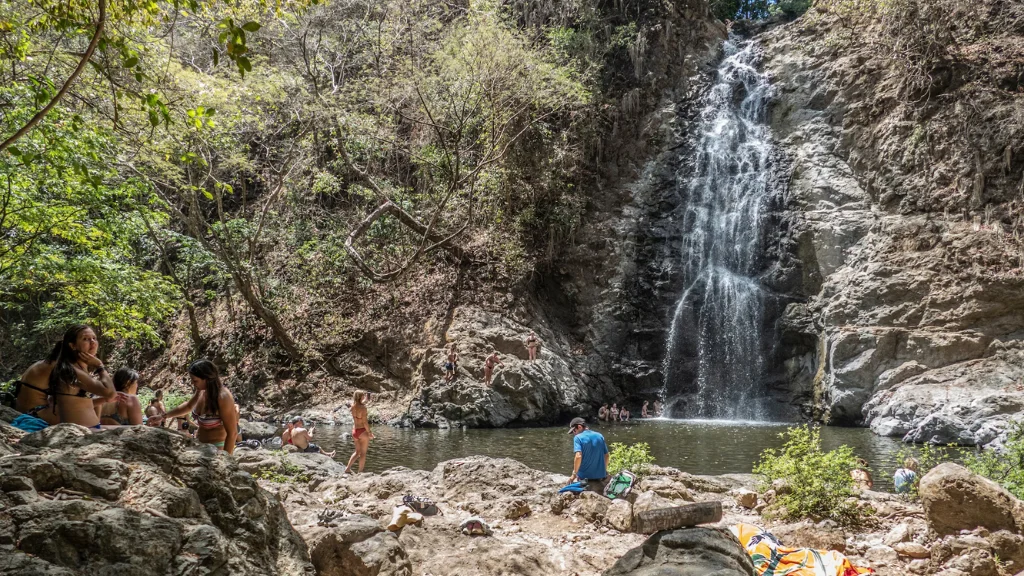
(359, 416)
(34, 395)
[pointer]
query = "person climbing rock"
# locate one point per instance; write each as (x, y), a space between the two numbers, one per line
(489, 365)
(590, 456)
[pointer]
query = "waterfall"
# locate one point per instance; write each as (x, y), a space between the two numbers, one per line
(716, 352)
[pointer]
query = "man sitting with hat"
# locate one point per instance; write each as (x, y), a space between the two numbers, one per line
(590, 463)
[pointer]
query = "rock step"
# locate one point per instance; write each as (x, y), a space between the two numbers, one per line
(652, 521)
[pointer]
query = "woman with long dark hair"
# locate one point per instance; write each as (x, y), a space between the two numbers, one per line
(70, 373)
(127, 411)
(212, 407)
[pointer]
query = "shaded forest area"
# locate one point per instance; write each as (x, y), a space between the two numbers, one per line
(276, 181)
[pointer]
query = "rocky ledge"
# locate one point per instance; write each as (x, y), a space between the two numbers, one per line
(142, 500)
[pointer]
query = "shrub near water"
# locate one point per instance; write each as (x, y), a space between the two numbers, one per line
(818, 483)
(1006, 466)
(636, 458)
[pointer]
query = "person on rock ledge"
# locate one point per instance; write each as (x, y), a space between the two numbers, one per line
(591, 456)
(602, 413)
(489, 364)
(532, 344)
(451, 364)
(614, 412)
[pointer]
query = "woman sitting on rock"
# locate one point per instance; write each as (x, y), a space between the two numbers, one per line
(127, 411)
(213, 406)
(75, 372)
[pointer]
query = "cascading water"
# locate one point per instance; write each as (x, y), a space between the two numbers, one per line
(715, 361)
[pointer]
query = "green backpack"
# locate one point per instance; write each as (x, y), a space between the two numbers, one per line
(620, 485)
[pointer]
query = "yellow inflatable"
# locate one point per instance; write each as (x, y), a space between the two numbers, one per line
(771, 558)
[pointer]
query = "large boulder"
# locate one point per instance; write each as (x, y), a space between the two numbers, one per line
(138, 500)
(356, 546)
(686, 552)
(956, 499)
(520, 392)
(257, 430)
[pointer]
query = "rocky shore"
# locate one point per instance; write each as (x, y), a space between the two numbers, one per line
(143, 500)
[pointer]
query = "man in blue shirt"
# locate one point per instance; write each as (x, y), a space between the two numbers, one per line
(591, 459)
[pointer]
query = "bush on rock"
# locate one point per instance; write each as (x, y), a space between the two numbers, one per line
(818, 483)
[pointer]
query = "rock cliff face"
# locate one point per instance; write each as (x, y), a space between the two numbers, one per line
(904, 214)
(136, 500)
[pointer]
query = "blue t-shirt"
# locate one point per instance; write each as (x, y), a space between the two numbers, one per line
(592, 445)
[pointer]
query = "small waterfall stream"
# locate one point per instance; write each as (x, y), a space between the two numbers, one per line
(717, 346)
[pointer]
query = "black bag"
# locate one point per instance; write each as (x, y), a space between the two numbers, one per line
(422, 505)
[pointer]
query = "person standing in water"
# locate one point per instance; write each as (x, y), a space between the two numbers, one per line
(643, 410)
(361, 434)
(532, 344)
(213, 406)
(489, 365)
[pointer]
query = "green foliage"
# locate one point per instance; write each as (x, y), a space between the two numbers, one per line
(758, 9)
(284, 472)
(172, 399)
(71, 236)
(635, 458)
(1005, 466)
(817, 484)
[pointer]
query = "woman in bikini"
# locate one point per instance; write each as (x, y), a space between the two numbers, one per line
(361, 434)
(532, 343)
(127, 411)
(75, 373)
(212, 407)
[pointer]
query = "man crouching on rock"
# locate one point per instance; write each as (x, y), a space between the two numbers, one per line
(591, 460)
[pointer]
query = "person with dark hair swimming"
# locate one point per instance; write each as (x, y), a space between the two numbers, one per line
(127, 411)
(212, 407)
(72, 370)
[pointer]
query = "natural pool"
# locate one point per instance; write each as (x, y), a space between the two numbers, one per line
(695, 446)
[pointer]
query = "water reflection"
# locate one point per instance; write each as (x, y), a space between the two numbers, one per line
(695, 446)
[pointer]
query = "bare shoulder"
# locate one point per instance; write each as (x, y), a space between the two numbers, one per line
(37, 370)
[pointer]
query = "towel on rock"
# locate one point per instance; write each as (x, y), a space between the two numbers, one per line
(771, 558)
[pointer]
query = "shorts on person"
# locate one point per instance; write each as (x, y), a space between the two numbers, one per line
(312, 448)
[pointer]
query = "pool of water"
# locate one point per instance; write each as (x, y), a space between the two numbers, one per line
(698, 447)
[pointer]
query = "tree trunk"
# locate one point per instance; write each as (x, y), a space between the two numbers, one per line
(281, 334)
